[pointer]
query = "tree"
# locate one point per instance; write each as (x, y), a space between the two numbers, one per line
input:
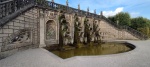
(139, 22)
(123, 18)
(112, 18)
(145, 30)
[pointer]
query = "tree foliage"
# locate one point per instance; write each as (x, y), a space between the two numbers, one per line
(139, 23)
(113, 18)
(123, 19)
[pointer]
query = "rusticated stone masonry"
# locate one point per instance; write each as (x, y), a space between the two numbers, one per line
(20, 33)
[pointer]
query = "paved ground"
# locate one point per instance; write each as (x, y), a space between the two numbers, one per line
(139, 57)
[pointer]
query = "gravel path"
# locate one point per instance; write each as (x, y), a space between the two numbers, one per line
(139, 57)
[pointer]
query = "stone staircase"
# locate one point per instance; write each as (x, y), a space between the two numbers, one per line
(109, 32)
(10, 9)
(124, 32)
(106, 35)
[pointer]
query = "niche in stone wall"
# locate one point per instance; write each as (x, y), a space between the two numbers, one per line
(50, 30)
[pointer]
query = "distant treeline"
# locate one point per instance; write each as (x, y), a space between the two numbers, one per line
(139, 23)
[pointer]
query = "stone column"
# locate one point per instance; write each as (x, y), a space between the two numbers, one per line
(42, 29)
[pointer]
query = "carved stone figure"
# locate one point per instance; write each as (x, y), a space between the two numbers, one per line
(18, 39)
(64, 35)
(96, 31)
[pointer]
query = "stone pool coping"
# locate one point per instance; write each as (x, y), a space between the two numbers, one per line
(139, 57)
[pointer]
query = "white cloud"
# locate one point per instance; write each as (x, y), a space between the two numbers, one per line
(112, 13)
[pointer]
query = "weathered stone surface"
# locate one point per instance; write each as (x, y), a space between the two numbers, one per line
(3, 35)
(0, 45)
(11, 27)
(15, 45)
(20, 18)
(16, 24)
(0, 48)
(25, 46)
(28, 14)
(6, 26)
(9, 47)
(0, 39)
(35, 10)
(10, 23)
(50, 42)
(8, 53)
(8, 30)
(15, 20)
(26, 25)
(22, 24)
(16, 28)
(1, 31)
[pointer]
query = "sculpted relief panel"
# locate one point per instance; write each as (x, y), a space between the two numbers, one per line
(52, 15)
(18, 39)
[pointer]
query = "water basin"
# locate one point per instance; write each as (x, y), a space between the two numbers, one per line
(102, 49)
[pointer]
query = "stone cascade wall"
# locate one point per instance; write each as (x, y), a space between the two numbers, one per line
(28, 20)
(46, 17)
(108, 32)
(35, 21)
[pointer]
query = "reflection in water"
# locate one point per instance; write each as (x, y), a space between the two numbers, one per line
(103, 49)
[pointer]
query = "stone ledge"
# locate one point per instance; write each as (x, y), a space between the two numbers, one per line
(15, 46)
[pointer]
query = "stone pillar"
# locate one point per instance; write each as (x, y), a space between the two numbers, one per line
(42, 29)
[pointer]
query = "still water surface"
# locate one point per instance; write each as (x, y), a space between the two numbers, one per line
(103, 49)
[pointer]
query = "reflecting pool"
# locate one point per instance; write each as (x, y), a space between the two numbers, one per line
(102, 49)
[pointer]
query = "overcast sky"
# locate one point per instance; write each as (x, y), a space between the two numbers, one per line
(112, 7)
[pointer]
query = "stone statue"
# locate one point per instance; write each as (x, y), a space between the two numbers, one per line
(78, 6)
(95, 11)
(77, 32)
(96, 31)
(88, 9)
(67, 3)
